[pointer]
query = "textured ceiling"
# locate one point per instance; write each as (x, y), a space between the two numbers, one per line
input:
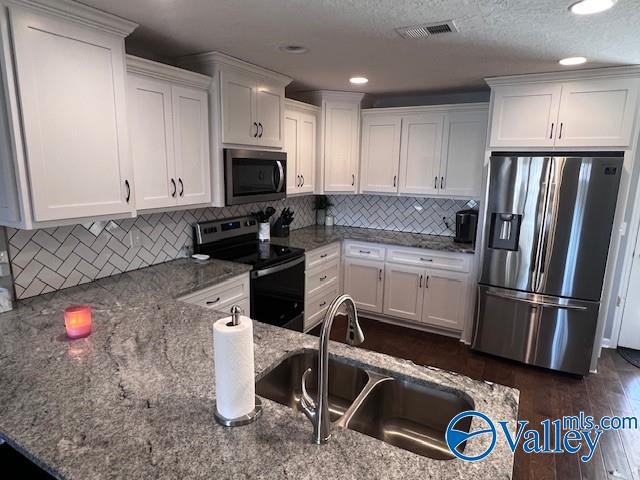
(348, 37)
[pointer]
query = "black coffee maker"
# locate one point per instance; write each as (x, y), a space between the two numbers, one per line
(466, 225)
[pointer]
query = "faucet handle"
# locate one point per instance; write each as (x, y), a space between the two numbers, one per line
(307, 404)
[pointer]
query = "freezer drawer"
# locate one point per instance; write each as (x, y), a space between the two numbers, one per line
(551, 332)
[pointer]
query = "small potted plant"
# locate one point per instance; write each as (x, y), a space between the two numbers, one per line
(322, 203)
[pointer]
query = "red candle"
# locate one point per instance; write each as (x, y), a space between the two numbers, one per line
(77, 321)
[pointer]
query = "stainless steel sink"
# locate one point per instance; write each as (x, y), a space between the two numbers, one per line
(283, 384)
(410, 416)
(406, 414)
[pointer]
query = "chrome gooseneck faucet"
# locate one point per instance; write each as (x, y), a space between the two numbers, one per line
(318, 412)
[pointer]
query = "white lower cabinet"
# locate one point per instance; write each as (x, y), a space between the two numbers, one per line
(322, 282)
(424, 287)
(403, 291)
(445, 299)
(364, 281)
(221, 297)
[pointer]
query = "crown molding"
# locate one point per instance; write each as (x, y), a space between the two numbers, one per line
(76, 12)
(316, 97)
(605, 72)
(448, 107)
(160, 71)
(210, 61)
(298, 105)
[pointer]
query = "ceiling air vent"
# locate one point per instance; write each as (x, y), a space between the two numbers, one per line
(424, 31)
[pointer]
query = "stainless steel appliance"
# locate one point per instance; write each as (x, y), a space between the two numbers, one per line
(277, 275)
(254, 176)
(548, 222)
(466, 226)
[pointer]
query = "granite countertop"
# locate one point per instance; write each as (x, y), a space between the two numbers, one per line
(136, 398)
(318, 236)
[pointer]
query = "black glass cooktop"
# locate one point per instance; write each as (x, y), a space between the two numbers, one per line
(258, 254)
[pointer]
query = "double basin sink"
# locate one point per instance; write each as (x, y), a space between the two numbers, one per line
(406, 414)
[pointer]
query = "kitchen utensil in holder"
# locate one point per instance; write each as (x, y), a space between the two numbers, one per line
(253, 415)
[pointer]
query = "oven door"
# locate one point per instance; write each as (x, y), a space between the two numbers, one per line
(254, 176)
(277, 295)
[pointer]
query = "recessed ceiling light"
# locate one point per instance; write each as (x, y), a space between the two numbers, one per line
(358, 80)
(572, 61)
(587, 7)
(295, 49)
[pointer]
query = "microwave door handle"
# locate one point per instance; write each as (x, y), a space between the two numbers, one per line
(280, 177)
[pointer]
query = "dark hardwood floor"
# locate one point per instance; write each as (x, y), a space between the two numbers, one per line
(615, 390)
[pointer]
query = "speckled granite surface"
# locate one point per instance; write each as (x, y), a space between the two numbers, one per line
(318, 236)
(135, 399)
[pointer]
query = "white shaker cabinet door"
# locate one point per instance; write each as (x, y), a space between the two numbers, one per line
(292, 148)
(463, 157)
(403, 291)
(445, 296)
(191, 139)
(341, 147)
(525, 115)
(420, 153)
(72, 95)
(597, 113)
(307, 153)
(380, 153)
(363, 280)
(269, 114)
(239, 124)
(151, 130)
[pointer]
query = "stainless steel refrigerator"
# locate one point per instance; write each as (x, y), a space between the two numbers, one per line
(547, 229)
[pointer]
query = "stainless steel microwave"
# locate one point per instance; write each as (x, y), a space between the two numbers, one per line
(254, 176)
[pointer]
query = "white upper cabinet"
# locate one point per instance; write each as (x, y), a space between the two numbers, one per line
(71, 95)
(593, 109)
(463, 154)
(169, 124)
(300, 143)
(239, 123)
(380, 153)
(424, 150)
(525, 115)
(420, 153)
(252, 110)
(151, 132)
(597, 113)
(191, 138)
(341, 146)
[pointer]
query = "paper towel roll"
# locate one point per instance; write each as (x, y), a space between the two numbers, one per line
(234, 367)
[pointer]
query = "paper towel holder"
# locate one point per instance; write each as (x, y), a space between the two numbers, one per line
(239, 421)
(252, 416)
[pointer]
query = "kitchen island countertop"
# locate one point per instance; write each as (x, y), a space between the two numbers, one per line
(136, 398)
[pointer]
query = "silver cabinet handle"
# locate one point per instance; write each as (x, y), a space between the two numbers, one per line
(426, 259)
(426, 283)
(211, 302)
(420, 284)
(395, 177)
(126, 184)
(441, 182)
(366, 252)
(181, 187)
(302, 176)
(255, 135)
(353, 180)
(261, 130)
(175, 188)
(551, 134)
(560, 133)
(435, 182)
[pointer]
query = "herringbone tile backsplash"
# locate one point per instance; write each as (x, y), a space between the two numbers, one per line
(403, 214)
(54, 258)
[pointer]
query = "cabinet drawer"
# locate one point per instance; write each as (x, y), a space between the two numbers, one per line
(316, 307)
(364, 250)
(322, 255)
(456, 262)
(323, 278)
(222, 295)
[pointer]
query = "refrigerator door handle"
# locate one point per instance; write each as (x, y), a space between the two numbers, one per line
(539, 303)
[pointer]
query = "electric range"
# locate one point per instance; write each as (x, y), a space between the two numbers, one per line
(277, 274)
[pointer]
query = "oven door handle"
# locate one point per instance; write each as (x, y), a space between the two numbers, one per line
(280, 177)
(276, 268)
